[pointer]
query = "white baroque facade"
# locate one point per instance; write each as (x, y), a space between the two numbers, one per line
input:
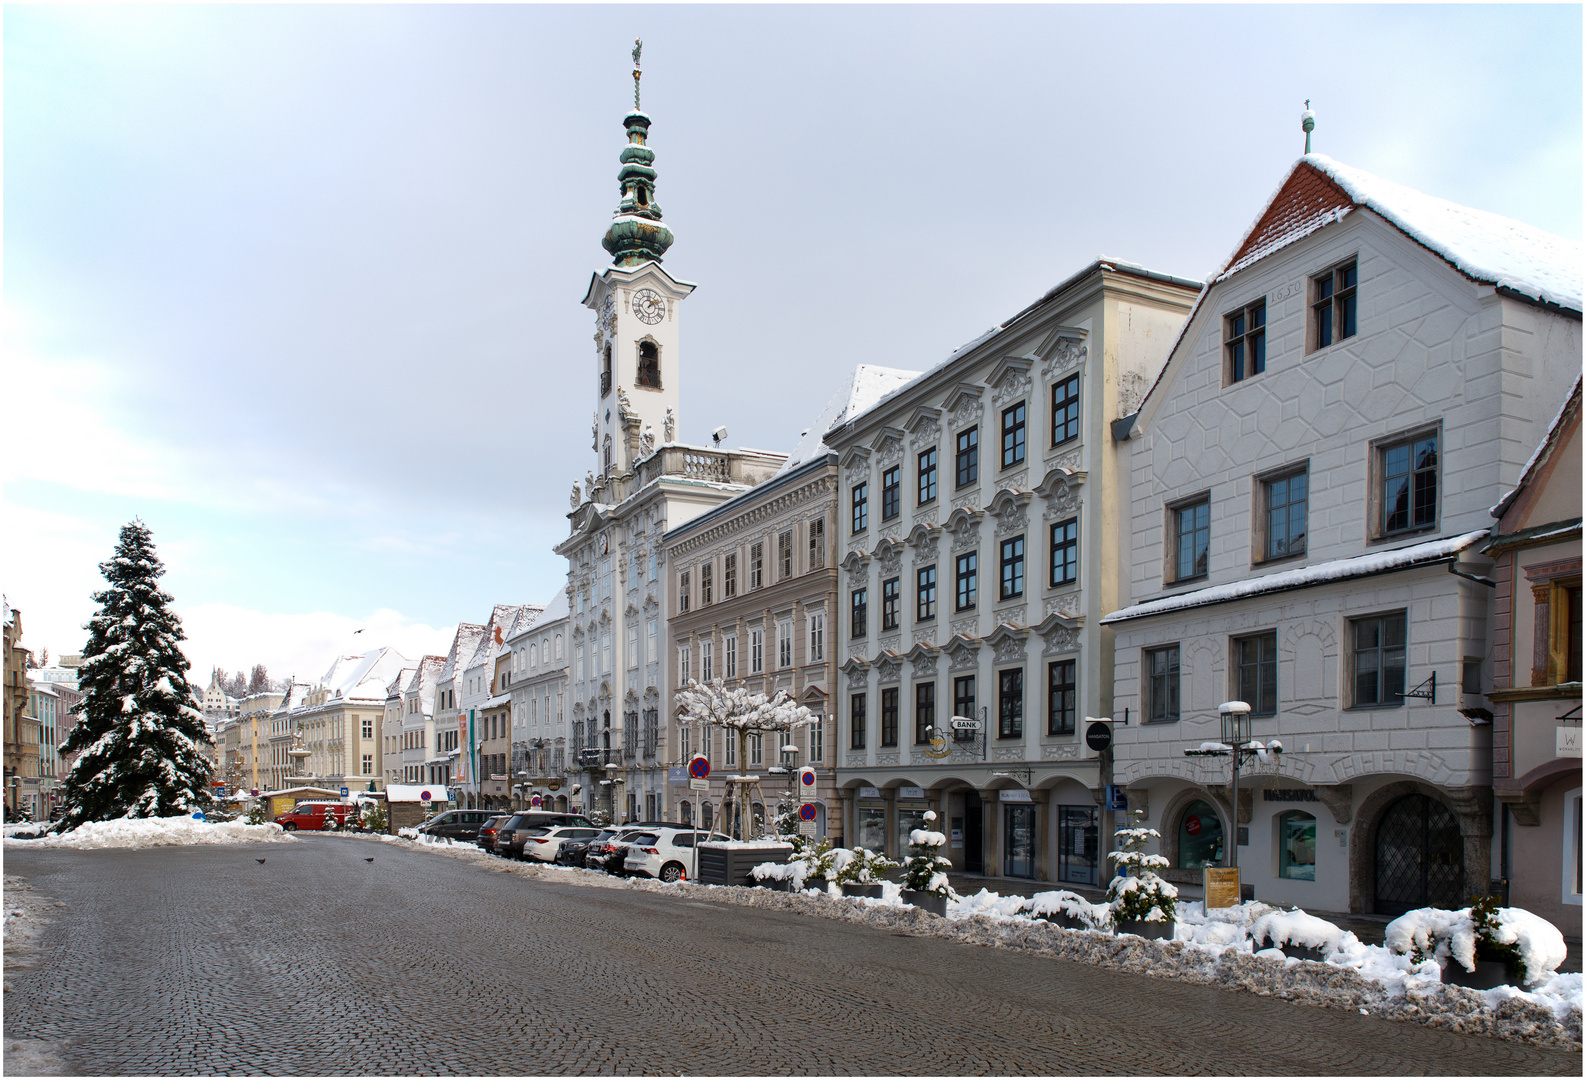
(1309, 485)
(539, 708)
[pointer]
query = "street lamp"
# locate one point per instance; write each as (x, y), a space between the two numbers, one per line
(1237, 746)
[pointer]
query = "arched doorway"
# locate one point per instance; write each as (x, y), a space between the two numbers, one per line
(1420, 857)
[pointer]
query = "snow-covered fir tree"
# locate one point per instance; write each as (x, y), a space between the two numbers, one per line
(926, 870)
(138, 732)
(1138, 893)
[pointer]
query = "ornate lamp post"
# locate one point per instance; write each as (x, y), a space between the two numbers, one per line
(1236, 744)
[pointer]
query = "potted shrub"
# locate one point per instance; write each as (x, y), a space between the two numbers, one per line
(1297, 934)
(861, 875)
(1482, 946)
(1063, 908)
(925, 876)
(1140, 901)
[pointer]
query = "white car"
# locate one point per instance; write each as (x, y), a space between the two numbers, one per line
(543, 843)
(666, 852)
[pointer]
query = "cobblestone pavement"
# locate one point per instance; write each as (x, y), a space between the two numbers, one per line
(204, 961)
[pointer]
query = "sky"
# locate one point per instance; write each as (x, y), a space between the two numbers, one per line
(299, 286)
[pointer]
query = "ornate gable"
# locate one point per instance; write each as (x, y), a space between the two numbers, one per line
(1009, 379)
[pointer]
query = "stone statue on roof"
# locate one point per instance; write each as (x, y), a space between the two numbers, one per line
(647, 441)
(671, 427)
(576, 498)
(622, 404)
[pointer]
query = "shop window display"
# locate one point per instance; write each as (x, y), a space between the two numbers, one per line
(1297, 846)
(1200, 837)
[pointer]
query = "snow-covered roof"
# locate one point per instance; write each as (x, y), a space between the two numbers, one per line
(1376, 562)
(555, 609)
(364, 677)
(425, 675)
(866, 386)
(502, 617)
(464, 641)
(496, 702)
(1537, 455)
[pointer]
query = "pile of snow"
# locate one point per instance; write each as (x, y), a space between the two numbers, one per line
(159, 832)
(1435, 932)
(1296, 928)
(23, 829)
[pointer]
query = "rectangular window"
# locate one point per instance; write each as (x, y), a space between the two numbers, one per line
(817, 737)
(817, 544)
(858, 612)
(784, 644)
(650, 630)
(784, 556)
(927, 475)
(1161, 684)
(707, 660)
(1286, 499)
(729, 576)
(1256, 657)
(1378, 646)
(682, 591)
(967, 457)
(756, 749)
(1013, 435)
(729, 745)
(1065, 553)
(924, 712)
(861, 508)
(964, 705)
(889, 716)
(857, 721)
(605, 651)
(729, 655)
(1012, 567)
(682, 665)
(1192, 530)
(1060, 697)
(1010, 704)
(966, 573)
(891, 604)
(817, 623)
(368, 729)
(633, 647)
(1065, 410)
(891, 492)
(1409, 484)
(1333, 304)
(1245, 341)
(756, 565)
(368, 765)
(925, 593)
(705, 584)
(756, 651)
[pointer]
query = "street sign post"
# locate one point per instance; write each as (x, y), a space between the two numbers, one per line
(699, 768)
(807, 780)
(807, 812)
(344, 793)
(535, 800)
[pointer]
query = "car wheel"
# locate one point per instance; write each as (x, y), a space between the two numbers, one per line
(671, 872)
(289, 827)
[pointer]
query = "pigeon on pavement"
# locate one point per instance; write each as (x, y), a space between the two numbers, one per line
(369, 859)
(258, 860)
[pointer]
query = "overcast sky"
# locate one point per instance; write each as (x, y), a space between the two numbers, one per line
(300, 286)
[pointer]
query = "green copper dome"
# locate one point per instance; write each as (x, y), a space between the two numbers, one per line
(636, 234)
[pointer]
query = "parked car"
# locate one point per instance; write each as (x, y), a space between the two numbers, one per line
(316, 815)
(486, 839)
(457, 824)
(667, 853)
(572, 852)
(510, 844)
(608, 854)
(545, 843)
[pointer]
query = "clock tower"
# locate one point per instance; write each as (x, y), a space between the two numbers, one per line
(636, 305)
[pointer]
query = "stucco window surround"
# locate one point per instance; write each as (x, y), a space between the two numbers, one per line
(1274, 496)
(1332, 314)
(1178, 529)
(647, 363)
(1378, 466)
(1556, 598)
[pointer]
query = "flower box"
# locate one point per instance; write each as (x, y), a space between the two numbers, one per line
(1488, 974)
(1152, 931)
(936, 905)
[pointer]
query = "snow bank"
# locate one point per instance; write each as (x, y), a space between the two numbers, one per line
(1296, 928)
(25, 829)
(159, 832)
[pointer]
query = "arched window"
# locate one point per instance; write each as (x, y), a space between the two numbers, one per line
(1200, 836)
(1297, 845)
(685, 811)
(704, 815)
(649, 365)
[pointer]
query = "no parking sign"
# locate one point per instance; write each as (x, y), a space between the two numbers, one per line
(535, 800)
(807, 812)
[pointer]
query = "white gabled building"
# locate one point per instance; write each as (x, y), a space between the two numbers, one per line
(434, 743)
(1309, 489)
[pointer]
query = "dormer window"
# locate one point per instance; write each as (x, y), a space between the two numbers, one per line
(649, 365)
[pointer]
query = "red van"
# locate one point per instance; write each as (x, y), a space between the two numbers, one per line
(316, 815)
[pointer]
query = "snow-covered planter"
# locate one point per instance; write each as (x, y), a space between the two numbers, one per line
(778, 877)
(1484, 944)
(1069, 910)
(1141, 902)
(925, 879)
(862, 874)
(1297, 934)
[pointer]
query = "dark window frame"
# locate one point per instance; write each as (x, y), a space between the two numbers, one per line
(966, 581)
(1255, 674)
(1065, 410)
(1420, 500)
(1010, 703)
(889, 716)
(924, 712)
(859, 507)
(926, 475)
(859, 612)
(1062, 697)
(1281, 486)
(925, 593)
(1161, 683)
(1010, 568)
(1335, 304)
(891, 604)
(1063, 561)
(1199, 565)
(1014, 431)
(1245, 342)
(857, 720)
(891, 493)
(1382, 654)
(964, 705)
(966, 457)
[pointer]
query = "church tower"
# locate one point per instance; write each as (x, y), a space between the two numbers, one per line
(636, 305)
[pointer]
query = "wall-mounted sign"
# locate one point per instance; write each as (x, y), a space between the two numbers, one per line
(1568, 741)
(1286, 794)
(1098, 736)
(869, 793)
(911, 793)
(1117, 798)
(1014, 794)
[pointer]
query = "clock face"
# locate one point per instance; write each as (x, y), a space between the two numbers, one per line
(649, 306)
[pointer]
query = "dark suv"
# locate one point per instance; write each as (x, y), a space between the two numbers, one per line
(457, 824)
(489, 830)
(516, 830)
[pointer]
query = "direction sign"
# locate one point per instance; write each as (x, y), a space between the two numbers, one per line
(699, 768)
(344, 793)
(961, 723)
(807, 812)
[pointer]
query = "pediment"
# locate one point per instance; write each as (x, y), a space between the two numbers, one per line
(1060, 481)
(1009, 365)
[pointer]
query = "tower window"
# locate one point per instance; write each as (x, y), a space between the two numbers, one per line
(605, 373)
(649, 365)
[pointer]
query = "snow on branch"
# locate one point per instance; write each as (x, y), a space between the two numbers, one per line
(739, 708)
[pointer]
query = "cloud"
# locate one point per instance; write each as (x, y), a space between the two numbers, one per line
(304, 645)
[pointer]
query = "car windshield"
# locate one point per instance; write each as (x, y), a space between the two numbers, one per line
(645, 839)
(606, 834)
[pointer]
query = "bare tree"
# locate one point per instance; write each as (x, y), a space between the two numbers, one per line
(259, 680)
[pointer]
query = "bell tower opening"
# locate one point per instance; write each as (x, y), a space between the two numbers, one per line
(605, 372)
(649, 365)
